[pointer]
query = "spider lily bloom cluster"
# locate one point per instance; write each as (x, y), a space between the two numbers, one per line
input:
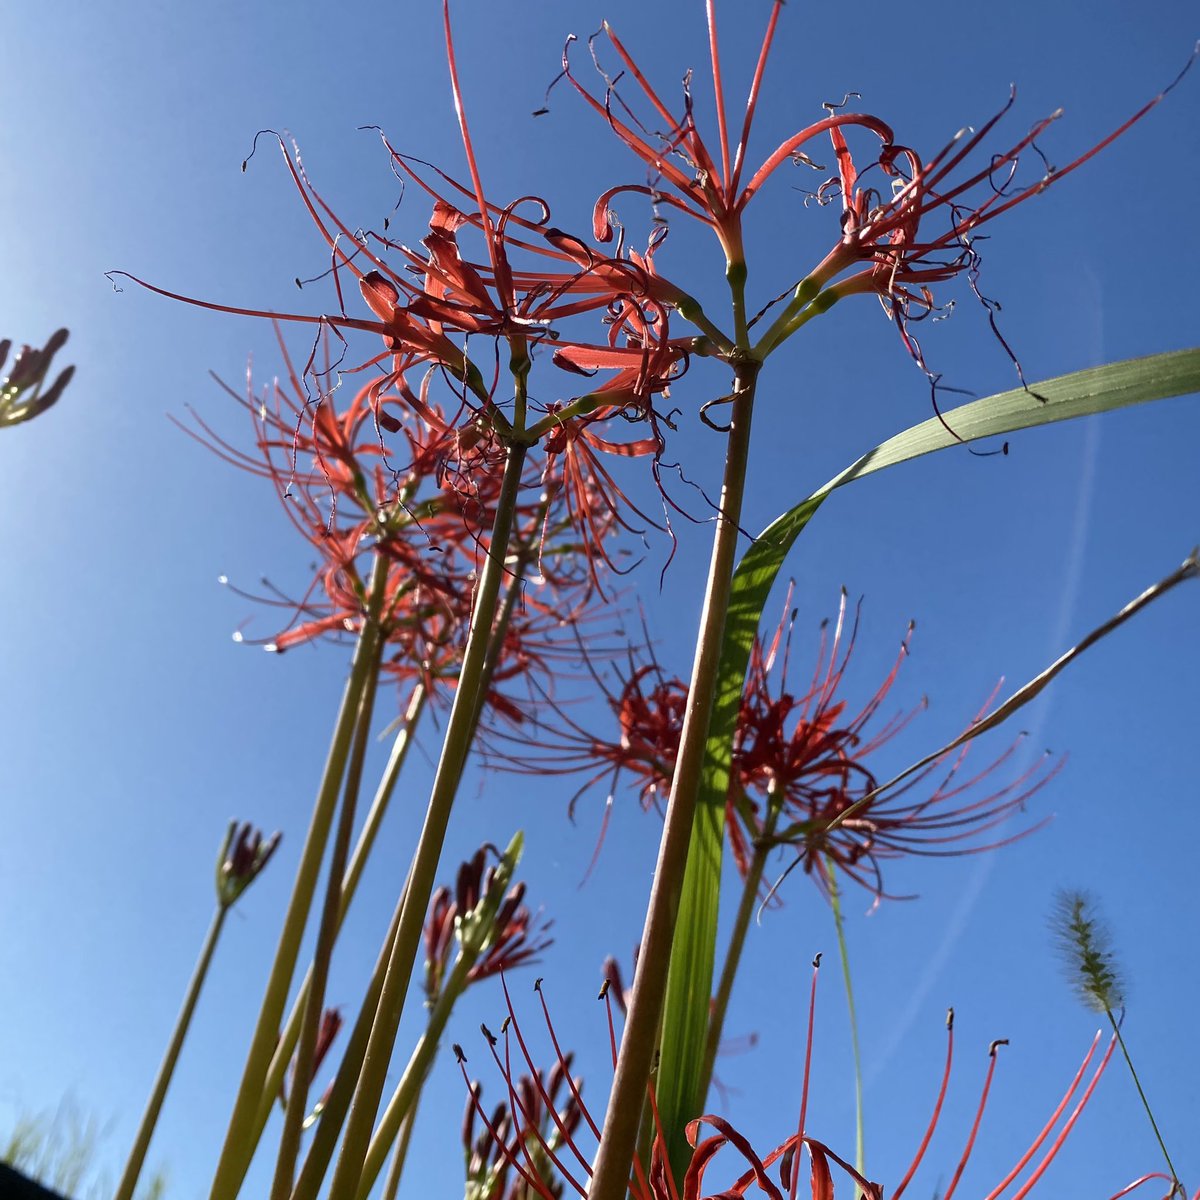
(542, 1115)
(530, 1146)
(881, 239)
(509, 935)
(372, 479)
(439, 295)
(799, 764)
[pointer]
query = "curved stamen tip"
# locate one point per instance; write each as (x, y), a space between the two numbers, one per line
(459, 1054)
(996, 1046)
(487, 1033)
(817, 963)
(537, 983)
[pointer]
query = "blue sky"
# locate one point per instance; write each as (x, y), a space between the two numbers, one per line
(133, 727)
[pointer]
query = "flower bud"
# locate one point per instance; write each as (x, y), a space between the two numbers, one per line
(243, 855)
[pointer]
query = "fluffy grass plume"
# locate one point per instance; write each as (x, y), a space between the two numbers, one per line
(1085, 943)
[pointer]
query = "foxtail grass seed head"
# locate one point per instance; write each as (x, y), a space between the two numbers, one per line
(1085, 943)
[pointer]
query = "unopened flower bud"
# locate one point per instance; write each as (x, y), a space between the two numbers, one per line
(242, 857)
(21, 394)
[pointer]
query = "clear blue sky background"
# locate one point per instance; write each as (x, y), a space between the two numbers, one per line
(132, 727)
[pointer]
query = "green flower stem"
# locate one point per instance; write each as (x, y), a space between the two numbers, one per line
(318, 976)
(735, 276)
(615, 1155)
(145, 1131)
(334, 1114)
(737, 942)
(689, 309)
(358, 860)
(835, 901)
(1137, 1083)
(459, 733)
(240, 1140)
(391, 1185)
(404, 1100)
(582, 406)
(806, 304)
(320, 1152)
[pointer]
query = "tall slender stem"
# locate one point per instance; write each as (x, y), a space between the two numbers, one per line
(321, 1151)
(1137, 1083)
(615, 1155)
(240, 1140)
(835, 901)
(158, 1093)
(391, 1185)
(337, 1103)
(310, 1024)
(404, 1100)
(737, 942)
(459, 731)
(358, 860)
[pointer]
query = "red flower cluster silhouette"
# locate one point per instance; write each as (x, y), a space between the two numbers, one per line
(530, 1147)
(800, 773)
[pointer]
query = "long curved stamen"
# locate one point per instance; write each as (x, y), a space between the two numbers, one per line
(752, 100)
(995, 1193)
(987, 1087)
(937, 1109)
(472, 166)
(808, 1046)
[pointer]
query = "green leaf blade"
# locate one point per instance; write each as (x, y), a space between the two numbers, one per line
(1079, 394)
(680, 1090)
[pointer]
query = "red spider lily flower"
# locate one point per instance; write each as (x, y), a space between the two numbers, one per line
(427, 303)
(882, 231)
(514, 937)
(885, 251)
(799, 764)
(373, 478)
(688, 177)
(1048, 1143)
(649, 708)
(548, 1161)
(805, 758)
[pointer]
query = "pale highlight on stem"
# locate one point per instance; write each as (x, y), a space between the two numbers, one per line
(240, 1140)
(615, 1155)
(459, 731)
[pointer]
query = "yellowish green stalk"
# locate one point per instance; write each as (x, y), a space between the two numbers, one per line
(391, 1185)
(337, 1104)
(158, 1093)
(460, 729)
(358, 860)
(835, 902)
(619, 1136)
(404, 1099)
(737, 941)
(310, 1024)
(241, 1138)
